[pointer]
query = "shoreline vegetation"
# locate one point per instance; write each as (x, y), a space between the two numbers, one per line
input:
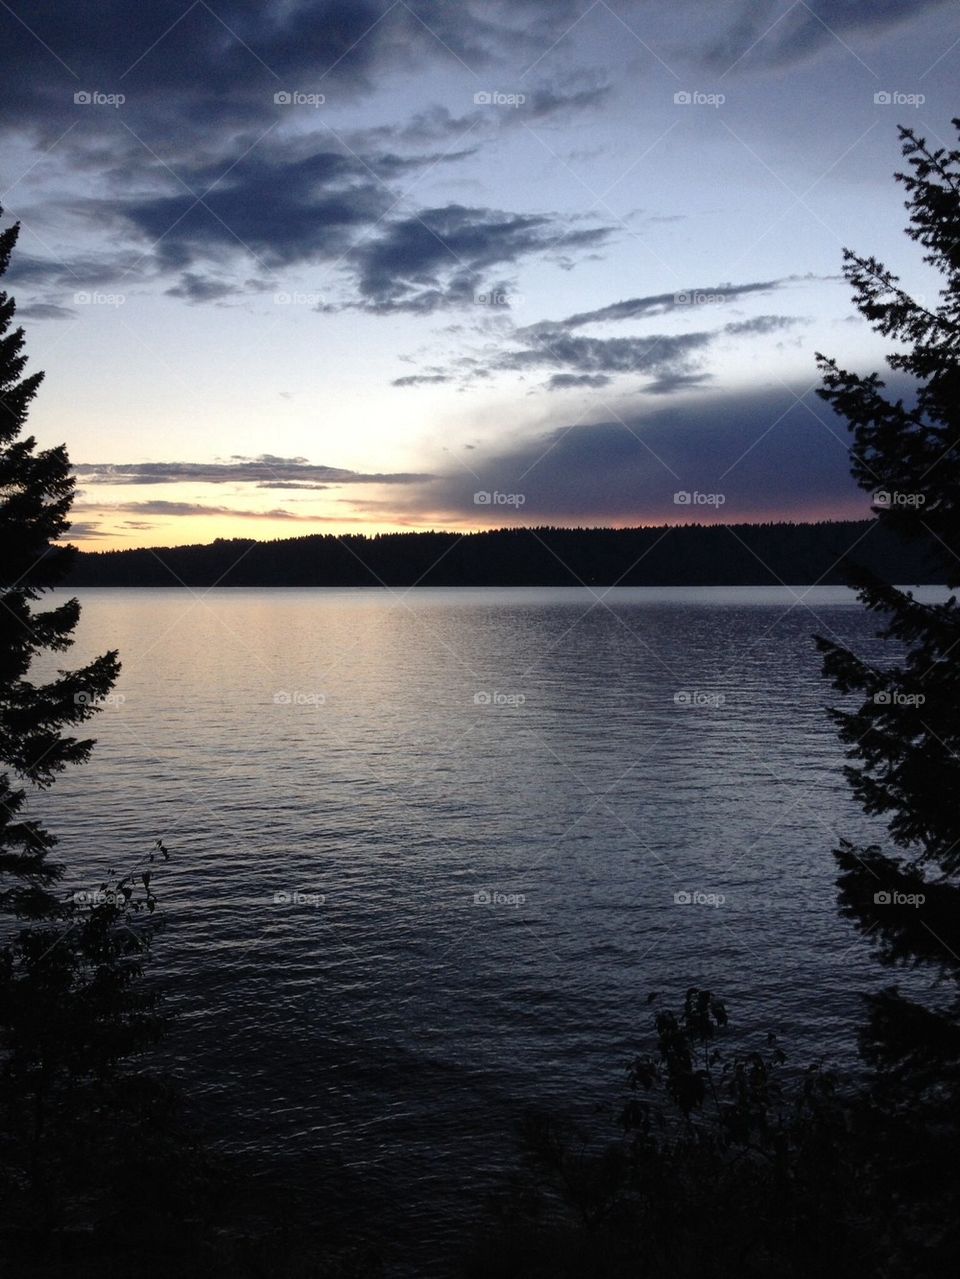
(673, 555)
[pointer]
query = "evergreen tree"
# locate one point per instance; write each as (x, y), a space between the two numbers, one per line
(70, 1009)
(36, 719)
(903, 738)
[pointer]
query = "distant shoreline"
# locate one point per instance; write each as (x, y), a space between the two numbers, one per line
(783, 554)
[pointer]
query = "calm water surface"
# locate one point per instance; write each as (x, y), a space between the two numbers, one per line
(389, 756)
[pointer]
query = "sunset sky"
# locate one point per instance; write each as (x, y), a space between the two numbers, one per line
(320, 266)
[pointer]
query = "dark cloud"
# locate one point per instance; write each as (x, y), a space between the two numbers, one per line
(663, 303)
(266, 470)
(83, 531)
(438, 123)
(760, 325)
(670, 383)
(670, 360)
(564, 381)
(279, 206)
(203, 169)
(277, 209)
(45, 311)
(220, 65)
(438, 257)
(420, 379)
(161, 508)
(658, 354)
(767, 454)
(67, 277)
(758, 37)
(198, 288)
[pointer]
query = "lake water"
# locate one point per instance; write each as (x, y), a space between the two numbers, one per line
(339, 773)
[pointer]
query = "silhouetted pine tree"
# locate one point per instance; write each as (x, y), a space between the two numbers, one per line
(904, 737)
(70, 1009)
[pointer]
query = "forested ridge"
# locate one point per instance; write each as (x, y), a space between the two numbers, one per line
(684, 555)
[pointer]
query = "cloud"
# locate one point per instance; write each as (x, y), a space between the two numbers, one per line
(803, 30)
(266, 471)
(219, 66)
(669, 359)
(767, 454)
(198, 288)
(45, 311)
(761, 325)
(661, 304)
(438, 257)
(669, 383)
(563, 381)
(273, 205)
(162, 508)
(437, 124)
(420, 379)
(657, 354)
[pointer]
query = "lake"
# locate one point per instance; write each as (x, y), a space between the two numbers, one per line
(432, 849)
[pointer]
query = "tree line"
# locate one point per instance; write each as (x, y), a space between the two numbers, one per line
(682, 555)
